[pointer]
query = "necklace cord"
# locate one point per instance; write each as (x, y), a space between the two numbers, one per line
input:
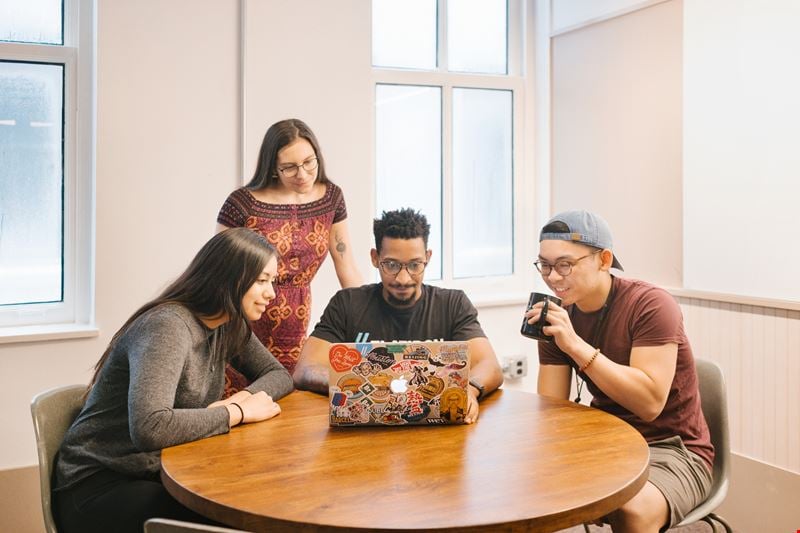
(597, 338)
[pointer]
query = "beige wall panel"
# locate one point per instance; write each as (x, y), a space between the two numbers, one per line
(167, 147)
(616, 134)
(310, 59)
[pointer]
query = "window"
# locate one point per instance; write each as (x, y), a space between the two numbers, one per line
(408, 121)
(46, 174)
(449, 89)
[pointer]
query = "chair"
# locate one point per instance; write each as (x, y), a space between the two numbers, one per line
(53, 411)
(714, 402)
(163, 525)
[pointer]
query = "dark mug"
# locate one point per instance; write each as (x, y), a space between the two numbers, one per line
(534, 331)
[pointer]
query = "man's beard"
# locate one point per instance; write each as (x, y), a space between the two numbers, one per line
(398, 302)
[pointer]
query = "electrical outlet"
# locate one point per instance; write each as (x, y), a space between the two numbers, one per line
(515, 366)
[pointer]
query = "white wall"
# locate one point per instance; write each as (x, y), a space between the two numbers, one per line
(566, 15)
(319, 73)
(741, 156)
(617, 133)
(169, 152)
(167, 145)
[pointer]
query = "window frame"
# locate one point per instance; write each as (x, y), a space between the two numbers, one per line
(74, 314)
(497, 289)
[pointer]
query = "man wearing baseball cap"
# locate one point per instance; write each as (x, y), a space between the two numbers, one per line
(625, 340)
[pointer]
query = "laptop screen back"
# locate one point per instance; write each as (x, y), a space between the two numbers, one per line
(398, 383)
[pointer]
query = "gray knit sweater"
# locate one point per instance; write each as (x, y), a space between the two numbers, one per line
(152, 393)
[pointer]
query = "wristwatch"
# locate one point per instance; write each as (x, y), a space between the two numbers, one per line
(478, 386)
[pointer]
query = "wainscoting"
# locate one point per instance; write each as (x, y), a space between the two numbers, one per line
(758, 349)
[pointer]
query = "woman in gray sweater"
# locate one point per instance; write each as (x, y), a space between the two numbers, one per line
(160, 383)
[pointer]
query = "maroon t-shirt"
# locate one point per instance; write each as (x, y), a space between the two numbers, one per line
(640, 314)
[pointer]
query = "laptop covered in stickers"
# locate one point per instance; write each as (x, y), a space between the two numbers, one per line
(398, 383)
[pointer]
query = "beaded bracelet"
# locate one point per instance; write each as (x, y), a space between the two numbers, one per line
(590, 361)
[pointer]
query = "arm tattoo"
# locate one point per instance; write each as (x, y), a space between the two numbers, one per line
(341, 247)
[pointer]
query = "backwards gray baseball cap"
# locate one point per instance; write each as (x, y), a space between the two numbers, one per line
(580, 226)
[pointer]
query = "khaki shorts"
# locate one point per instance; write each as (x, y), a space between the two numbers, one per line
(682, 477)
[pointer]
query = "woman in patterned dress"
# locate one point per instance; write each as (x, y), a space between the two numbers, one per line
(291, 201)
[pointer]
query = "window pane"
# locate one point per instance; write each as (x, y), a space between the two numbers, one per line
(404, 34)
(31, 182)
(467, 19)
(408, 156)
(31, 21)
(482, 183)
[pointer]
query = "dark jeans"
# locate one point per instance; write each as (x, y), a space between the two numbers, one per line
(109, 501)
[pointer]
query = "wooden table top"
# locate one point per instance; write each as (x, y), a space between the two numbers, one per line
(530, 463)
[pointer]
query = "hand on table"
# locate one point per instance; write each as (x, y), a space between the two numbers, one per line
(254, 407)
(472, 406)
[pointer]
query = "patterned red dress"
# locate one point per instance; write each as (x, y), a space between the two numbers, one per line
(299, 233)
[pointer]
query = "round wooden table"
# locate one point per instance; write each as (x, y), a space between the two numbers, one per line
(530, 463)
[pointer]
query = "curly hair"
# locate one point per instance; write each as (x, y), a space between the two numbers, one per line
(401, 224)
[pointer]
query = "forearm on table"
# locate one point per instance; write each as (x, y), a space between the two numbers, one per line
(487, 376)
(642, 390)
(277, 384)
(264, 370)
(484, 367)
(166, 427)
(312, 370)
(312, 378)
(554, 380)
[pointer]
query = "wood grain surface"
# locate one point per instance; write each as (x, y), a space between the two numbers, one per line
(530, 463)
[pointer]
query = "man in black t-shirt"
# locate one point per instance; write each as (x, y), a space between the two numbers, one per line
(401, 307)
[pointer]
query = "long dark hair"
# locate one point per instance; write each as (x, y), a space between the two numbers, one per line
(278, 136)
(212, 286)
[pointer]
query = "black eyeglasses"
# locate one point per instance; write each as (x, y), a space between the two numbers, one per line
(414, 268)
(290, 171)
(563, 267)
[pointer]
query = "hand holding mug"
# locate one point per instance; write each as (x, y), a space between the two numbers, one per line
(535, 330)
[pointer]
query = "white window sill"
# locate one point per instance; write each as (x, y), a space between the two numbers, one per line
(47, 332)
(484, 300)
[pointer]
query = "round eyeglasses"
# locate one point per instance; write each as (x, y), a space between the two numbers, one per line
(414, 268)
(290, 171)
(563, 267)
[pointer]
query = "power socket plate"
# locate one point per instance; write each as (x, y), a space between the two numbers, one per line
(515, 366)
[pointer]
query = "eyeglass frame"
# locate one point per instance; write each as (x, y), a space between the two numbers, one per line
(539, 264)
(295, 168)
(383, 266)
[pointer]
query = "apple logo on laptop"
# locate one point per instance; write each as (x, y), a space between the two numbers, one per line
(399, 385)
